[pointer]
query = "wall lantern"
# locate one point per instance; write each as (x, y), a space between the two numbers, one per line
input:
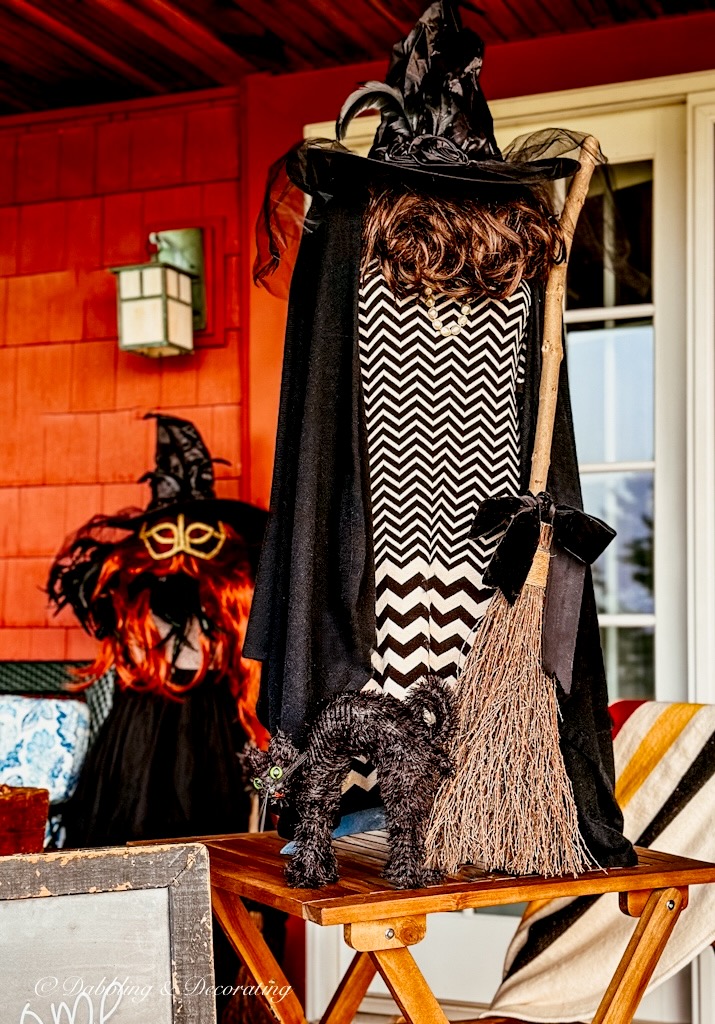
(161, 303)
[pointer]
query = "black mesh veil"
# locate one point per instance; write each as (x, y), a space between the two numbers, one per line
(548, 144)
(284, 214)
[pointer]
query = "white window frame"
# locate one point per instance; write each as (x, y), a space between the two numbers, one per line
(701, 397)
(684, 510)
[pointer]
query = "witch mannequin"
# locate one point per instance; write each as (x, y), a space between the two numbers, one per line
(167, 592)
(409, 398)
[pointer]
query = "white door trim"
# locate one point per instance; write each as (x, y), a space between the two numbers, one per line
(701, 397)
(571, 103)
(701, 449)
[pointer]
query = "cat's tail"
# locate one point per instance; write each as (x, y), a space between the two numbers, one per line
(433, 701)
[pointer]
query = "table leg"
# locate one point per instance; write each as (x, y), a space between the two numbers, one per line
(408, 986)
(350, 993)
(656, 922)
(251, 947)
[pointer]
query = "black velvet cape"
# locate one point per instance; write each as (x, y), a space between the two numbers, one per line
(313, 617)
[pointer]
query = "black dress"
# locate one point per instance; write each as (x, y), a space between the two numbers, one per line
(162, 769)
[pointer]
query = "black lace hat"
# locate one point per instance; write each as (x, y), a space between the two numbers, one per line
(182, 481)
(435, 134)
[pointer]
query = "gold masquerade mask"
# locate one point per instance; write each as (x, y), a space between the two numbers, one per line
(168, 538)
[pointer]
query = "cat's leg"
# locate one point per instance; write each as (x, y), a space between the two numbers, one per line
(408, 795)
(314, 863)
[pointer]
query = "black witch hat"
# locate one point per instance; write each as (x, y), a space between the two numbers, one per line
(435, 123)
(182, 482)
(435, 134)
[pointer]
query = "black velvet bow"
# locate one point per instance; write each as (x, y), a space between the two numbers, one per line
(578, 534)
(577, 541)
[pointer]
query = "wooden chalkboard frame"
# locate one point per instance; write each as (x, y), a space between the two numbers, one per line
(182, 869)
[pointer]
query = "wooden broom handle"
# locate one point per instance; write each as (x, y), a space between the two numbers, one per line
(552, 350)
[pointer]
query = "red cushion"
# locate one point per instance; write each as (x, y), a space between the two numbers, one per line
(620, 711)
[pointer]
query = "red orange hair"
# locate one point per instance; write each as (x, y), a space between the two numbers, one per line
(136, 649)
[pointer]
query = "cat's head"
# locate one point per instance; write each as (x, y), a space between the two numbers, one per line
(272, 771)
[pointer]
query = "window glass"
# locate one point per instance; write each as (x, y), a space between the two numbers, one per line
(611, 261)
(623, 575)
(629, 655)
(611, 372)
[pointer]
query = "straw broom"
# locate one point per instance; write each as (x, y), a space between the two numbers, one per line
(509, 804)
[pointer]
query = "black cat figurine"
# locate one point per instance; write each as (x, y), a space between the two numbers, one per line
(406, 741)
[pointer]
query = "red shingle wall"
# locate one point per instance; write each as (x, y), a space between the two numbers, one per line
(79, 192)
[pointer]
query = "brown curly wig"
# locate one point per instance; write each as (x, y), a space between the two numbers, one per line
(460, 247)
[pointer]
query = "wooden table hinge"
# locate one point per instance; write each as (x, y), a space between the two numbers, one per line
(633, 903)
(366, 936)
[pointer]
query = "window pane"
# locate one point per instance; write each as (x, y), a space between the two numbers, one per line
(628, 654)
(611, 373)
(611, 262)
(623, 575)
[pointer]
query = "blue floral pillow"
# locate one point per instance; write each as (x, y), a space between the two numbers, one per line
(43, 743)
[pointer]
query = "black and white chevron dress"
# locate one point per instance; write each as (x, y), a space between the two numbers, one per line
(443, 434)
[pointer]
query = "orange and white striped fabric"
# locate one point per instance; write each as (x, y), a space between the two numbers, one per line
(565, 951)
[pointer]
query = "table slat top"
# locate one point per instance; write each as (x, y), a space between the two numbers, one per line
(251, 866)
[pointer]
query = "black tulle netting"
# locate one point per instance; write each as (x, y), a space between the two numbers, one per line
(285, 214)
(74, 574)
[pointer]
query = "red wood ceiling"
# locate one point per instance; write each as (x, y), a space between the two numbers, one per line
(57, 53)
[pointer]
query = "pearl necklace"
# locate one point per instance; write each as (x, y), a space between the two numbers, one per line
(439, 325)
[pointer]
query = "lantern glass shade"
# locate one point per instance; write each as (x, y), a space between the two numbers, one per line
(155, 315)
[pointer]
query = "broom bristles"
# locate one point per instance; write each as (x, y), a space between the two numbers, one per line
(509, 804)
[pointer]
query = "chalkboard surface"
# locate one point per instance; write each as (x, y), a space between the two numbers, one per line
(104, 954)
(90, 937)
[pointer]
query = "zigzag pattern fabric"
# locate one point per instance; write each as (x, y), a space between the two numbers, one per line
(443, 434)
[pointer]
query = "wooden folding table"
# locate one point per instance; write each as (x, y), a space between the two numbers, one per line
(381, 923)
